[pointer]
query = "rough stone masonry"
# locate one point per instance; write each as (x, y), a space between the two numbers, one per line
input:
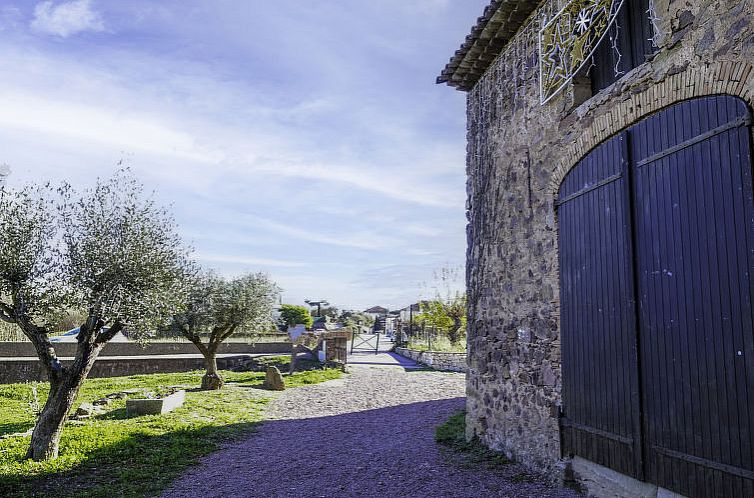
(518, 152)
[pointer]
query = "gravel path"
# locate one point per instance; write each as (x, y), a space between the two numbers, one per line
(370, 434)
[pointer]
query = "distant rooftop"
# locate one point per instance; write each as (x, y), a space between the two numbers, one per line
(377, 310)
(493, 30)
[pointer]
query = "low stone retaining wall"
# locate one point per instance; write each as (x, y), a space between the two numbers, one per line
(448, 362)
(62, 349)
(19, 363)
(29, 369)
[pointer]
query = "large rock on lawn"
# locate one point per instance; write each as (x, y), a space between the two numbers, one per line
(274, 379)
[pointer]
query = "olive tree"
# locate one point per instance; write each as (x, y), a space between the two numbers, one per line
(110, 251)
(217, 308)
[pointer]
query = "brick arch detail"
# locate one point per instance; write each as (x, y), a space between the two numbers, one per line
(734, 78)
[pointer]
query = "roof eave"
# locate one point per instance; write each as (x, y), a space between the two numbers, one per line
(492, 32)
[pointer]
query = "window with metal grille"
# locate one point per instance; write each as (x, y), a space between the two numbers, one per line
(627, 45)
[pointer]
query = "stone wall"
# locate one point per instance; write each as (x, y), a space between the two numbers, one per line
(30, 369)
(63, 349)
(518, 152)
(446, 362)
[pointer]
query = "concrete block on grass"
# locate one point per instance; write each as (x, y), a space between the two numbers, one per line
(136, 407)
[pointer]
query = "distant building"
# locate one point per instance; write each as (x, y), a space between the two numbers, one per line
(376, 312)
(409, 312)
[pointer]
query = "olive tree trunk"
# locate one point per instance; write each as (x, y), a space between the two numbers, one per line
(65, 383)
(212, 380)
(45, 440)
(294, 359)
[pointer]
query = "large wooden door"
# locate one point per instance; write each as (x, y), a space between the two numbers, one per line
(598, 320)
(690, 255)
(695, 254)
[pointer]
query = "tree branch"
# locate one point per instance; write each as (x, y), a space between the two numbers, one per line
(215, 339)
(196, 340)
(44, 348)
(103, 337)
(231, 330)
(213, 334)
(188, 332)
(89, 331)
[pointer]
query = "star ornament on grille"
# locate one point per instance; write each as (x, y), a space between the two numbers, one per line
(568, 40)
(556, 62)
(555, 56)
(583, 21)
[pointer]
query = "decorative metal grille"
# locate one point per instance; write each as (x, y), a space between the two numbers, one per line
(568, 40)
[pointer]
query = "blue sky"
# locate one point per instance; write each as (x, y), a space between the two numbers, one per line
(304, 139)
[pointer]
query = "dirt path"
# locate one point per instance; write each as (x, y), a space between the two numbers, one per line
(369, 434)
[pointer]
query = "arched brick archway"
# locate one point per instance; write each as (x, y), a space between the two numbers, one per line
(735, 78)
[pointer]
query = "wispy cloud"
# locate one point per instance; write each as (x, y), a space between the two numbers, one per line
(80, 122)
(247, 261)
(67, 18)
(361, 177)
(358, 239)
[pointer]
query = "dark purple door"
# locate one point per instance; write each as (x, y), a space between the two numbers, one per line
(598, 318)
(694, 220)
(656, 256)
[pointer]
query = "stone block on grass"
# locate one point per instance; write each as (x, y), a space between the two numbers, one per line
(136, 407)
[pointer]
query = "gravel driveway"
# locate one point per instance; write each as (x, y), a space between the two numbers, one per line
(368, 434)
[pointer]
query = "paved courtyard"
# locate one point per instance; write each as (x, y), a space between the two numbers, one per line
(368, 434)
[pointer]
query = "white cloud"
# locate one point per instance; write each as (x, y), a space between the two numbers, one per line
(360, 176)
(357, 239)
(109, 127)
(248, 261)
(67, 18)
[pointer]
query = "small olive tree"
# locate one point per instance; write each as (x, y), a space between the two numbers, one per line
(109, 251)
(217, 308)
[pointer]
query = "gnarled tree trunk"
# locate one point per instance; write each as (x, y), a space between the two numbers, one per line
(45, 440)
(65, 382)
(294, 358)
(457, 331)
(212, 379)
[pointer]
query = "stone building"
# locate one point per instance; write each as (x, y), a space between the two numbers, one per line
(611, 241)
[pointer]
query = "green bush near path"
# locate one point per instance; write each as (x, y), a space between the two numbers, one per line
(112, 455)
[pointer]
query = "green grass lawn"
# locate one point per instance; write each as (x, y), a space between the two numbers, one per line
(112, 455)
